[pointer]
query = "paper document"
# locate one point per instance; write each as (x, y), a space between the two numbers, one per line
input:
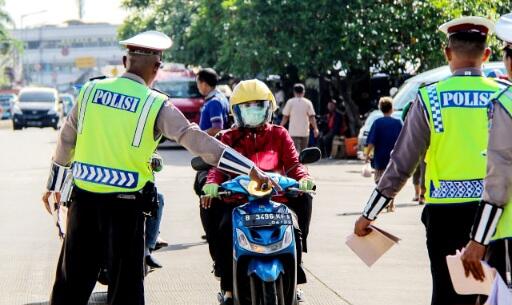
(500, 293)
(372, 246)
(469, 285)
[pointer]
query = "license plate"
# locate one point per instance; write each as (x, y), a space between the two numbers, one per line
(267, 219)
(34, 123)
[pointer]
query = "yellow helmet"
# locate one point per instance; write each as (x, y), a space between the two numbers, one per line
(252, 90)
(252, 104)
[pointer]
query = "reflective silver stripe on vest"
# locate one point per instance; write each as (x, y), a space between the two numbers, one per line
(105, 175)
(435, 105)
(457, 189)
(83, 106)
(137, 138)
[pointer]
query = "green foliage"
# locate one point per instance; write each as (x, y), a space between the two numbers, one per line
(260, 37)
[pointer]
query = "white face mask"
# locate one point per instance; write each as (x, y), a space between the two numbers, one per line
(253, 116)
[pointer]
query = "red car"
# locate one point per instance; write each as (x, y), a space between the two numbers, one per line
(181, 87)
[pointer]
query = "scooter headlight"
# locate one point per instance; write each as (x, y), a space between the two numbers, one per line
(242, 240)
(265, 249)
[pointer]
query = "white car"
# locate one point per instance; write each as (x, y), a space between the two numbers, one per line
(408, 91)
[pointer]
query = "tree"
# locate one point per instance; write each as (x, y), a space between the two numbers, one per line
(251, 38)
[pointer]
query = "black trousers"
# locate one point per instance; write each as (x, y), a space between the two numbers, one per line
(301, 206)
(101, 228)
(448, 228)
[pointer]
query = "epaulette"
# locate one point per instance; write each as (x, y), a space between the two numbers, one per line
(428, 84)
(97, 77)
(161, 92)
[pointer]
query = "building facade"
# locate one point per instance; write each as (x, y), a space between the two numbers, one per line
(60, 56)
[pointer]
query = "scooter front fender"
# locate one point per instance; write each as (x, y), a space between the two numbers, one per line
(268, 270)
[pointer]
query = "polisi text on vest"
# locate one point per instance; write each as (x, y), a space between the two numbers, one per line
(471, 99)
(116, 100)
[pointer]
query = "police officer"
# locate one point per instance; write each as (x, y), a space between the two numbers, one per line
(494, 215)
(108, 141)
(448, 122)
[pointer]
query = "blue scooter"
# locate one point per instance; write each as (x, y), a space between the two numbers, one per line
(264, 250)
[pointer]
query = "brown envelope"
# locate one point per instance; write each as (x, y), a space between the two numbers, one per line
(468, 285)
(372, 246)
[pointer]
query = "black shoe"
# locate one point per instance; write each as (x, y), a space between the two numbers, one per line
(203, 237)
(103, 277)
(152, 263)
(224, 301)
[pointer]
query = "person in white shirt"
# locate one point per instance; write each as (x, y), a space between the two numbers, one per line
(300, 114)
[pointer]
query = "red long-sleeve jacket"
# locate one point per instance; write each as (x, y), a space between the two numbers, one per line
(270, 147)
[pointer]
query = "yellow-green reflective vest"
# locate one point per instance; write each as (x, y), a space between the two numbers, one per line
(457, 113)
(504, 227)
(115, 137)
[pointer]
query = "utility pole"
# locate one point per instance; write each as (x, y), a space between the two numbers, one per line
(80, 6)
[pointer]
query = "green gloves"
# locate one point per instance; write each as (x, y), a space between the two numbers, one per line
(211, 190)
(306, 184)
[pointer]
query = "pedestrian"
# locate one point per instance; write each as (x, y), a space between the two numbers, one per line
(109, 137)
(448, 122)
(381, 140)
(418, 178)
(492, 229)
(214, 118)
(215, 110)
(335, 126)
(300, 114)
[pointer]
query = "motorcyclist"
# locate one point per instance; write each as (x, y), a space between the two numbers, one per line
(271, 148)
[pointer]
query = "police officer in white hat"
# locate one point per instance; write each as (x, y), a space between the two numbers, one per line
(447, 123)
(492, 231)
(104, 148)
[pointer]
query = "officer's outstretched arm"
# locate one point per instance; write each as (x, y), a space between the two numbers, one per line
(173, 125)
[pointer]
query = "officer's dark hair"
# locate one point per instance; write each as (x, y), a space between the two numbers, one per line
(468, 44)
(386, 104)
(209, 76)
(298, 88)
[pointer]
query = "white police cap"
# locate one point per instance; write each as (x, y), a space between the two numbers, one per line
(150, 42)
(504, 29)
(470, 24)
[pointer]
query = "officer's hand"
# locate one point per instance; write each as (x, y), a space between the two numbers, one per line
(306, 184)
(361, 227)
(472, 260)
(46, 199)
(264, 181)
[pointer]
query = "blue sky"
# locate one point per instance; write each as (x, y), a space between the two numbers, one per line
(58, 11)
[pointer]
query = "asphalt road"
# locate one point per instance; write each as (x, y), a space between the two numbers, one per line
(29, 245)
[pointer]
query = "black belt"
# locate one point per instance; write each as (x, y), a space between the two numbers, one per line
(106, 196)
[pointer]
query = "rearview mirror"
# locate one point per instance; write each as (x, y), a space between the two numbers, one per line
(198, 164)
(310, 155)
